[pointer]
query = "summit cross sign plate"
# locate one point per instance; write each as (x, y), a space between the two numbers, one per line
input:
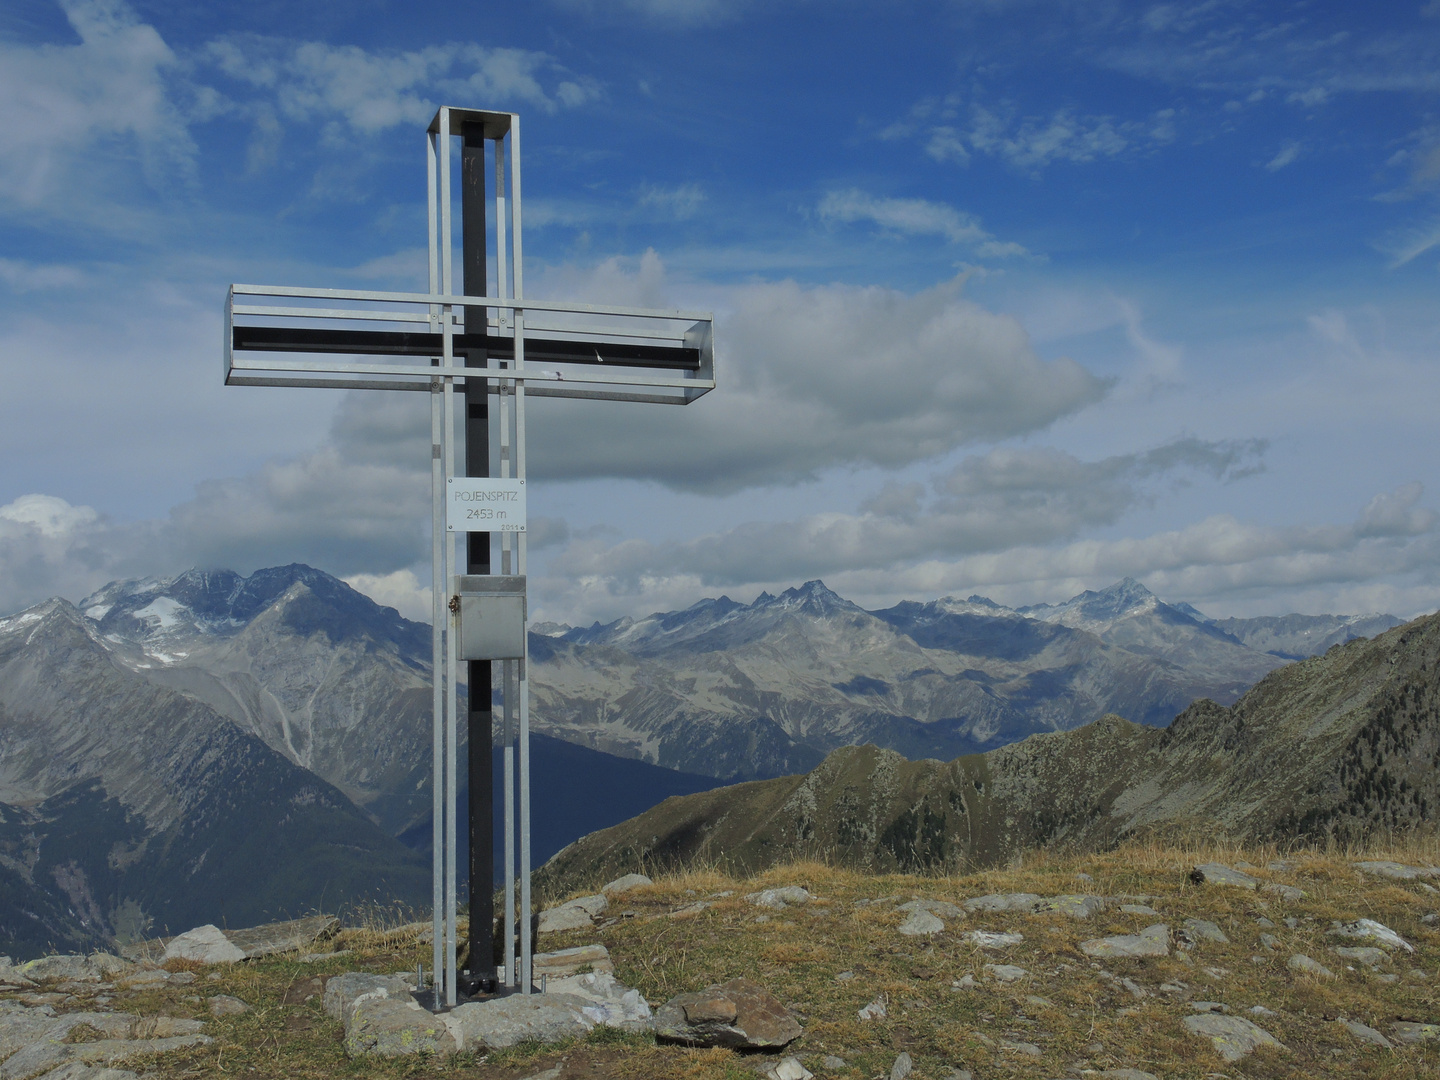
(497, 349)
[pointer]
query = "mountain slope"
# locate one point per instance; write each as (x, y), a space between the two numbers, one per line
(127, 805)
(1345, 745)
(1294, 637)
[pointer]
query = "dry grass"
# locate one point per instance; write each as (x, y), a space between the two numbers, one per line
(1077, 1012)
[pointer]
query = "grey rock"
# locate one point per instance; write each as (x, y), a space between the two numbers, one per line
(739, 1014)
(225, 1005)
(1128, 1074)
(941, 908)
(1286, 892)
(1231, 1036)
(1369, 929)
(965, 982)
(206, 945)
(990, 939)
(1015, 1046)
(1264, 923)
(777, 899)
(78, 1070)
(1407, 1031)
(1138, 909)
(875, 1010)
(1003, 902)
(563, 962)
(902, 1067)
(844, 976)
(1219, 874)
(921, 923)
(1204, 930)
(622, 885)
(1396, 871)
(1005, 973)
(343, 991)
(389, 1027)
(1261, 1010)
(1075, 905)
(42, 1057)
(1269, 941)
(1152, 941)
(830, 1061)
(506, 1021)
(1362, 954)
(787, 1068)
(1365, 1033)
(691, 909)
(1304, 965)
(611, 1003)
(292, 935)
(144, 979)
(91, 968)
(565, 917)
(952, 1073)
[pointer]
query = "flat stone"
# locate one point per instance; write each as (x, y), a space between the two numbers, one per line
(921, 923)
(343, 991)
(1407, 1031)
(787, 1068)
(506, 1021)
(388, 1027)
(1286, 892)
(1303, 965)
(1005, 973)
(1003, 902)
(622, 885)
(1219, 874)
(1231, 1036)
(292, 935)
(1365, 1033)
(565, 917)
(1152, 941)
(776, 899)
(90, 968)
(1015, 1046)
(990, 939)
(206, 945)
(42, 1057)
(1072, 904)
(610, 1002)
(1370, 929)
(1361, 954)
(1138, 909)
(1205, 930)
(1396, 871)
(563, 962)
(760, 1021)
(225, 1005)
(941, 908)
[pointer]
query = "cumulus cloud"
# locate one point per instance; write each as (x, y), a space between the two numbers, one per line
(915, 217)
(372, 91)
(1286, 154)
(109, 90)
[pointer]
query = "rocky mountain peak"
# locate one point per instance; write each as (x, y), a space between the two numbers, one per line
(813, 598)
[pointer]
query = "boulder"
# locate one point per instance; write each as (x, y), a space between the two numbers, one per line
(1408, 1031)
(506, 1021)
(1369, 929)
(574, 914)
(921, 923)
(1288, 893)
(1204, 930)
(1072, 904)
(1003, 902)
(282, 937)
(43, 1057)
(875, 1010)
(739, 1014)
(343, 991)
(787, 1068)
(612, 1003)
(1396, 871)
(1366, 1033)
(990, 939)
(1219, 874)
(205, 944)
(777, 899)
(1152, 941)
(1005, 973)
(78, 1070)
(1304, 965)
(903, 1066)
(624, 884)
(1231, 1036)
(225, 1005)
(90, 968)
(563, 962)
(1361, 954)
(387, 1027)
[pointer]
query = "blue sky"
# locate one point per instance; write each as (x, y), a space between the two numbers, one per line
(1012, 298)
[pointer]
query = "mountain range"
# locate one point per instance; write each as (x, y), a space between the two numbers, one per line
(1343, 747)
(195, 748)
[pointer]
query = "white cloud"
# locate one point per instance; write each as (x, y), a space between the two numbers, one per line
(1032, 143)
(403, 590)
(60, 100)
(916, 217)
(683, 13)
(372, 91)
(1287, 153)
(680, 202)
(24, 276)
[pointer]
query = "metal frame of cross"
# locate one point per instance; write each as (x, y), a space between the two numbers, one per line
(485, 344)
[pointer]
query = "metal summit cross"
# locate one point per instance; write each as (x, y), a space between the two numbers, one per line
(483, 342)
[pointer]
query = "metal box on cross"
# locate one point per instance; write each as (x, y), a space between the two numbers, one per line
(497, 349)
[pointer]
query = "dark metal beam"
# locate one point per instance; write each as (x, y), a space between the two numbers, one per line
(408, 343)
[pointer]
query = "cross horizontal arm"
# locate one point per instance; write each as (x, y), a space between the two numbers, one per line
(409, 343)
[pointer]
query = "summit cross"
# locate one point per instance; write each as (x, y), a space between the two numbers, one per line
(482, 343)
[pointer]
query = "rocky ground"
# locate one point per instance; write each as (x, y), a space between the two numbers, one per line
(1138, 962)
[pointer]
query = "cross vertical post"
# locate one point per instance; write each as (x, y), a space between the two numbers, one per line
(499, 350)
